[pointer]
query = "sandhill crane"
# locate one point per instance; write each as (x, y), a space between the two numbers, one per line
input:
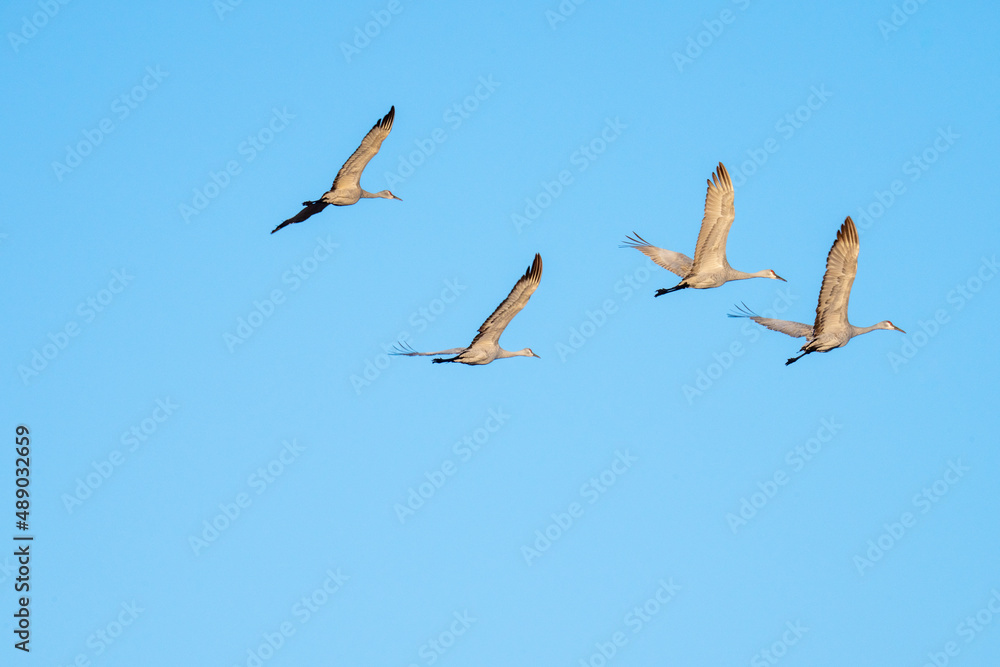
(831, 329)
(485, 347)
(346, 188)
(710, 268)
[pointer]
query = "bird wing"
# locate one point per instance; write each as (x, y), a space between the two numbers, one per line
(674, 262)
(404, 350)
(841, 267)
(494, 325)
(710, 252)
(349, 176)
(793, 329)
(311, 209)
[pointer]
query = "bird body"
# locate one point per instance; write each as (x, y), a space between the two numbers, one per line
(346, 188)
(485, 347)
(831, 329)
(710, 267)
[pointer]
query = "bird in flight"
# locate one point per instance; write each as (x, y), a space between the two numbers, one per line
(831, 329)
(709, 268)
(346, 188)
(485, 347)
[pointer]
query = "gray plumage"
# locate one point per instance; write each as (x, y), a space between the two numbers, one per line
(346, 188)
(831, 329)
(485, 347)
(710, 267)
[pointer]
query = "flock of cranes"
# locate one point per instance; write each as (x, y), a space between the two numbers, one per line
(708, 269)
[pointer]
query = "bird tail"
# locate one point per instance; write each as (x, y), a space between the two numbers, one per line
(311, 209)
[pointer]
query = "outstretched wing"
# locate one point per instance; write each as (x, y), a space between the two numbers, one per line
(402, 349)
(674, 262)
(349, 176)
(793, 329)
(494, 325)
(841, 267)
(710, 252)
(311, 209)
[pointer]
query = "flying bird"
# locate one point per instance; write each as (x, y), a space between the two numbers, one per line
(831, 329)
(346, 188)
(709, 268)
(485, 347)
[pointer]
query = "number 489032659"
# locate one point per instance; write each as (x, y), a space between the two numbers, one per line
(21, 472)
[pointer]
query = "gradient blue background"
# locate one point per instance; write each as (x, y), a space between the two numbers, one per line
(900, 420)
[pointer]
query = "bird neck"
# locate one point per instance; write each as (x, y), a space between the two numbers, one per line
(743, 275)
(507, 354)
(863, 330)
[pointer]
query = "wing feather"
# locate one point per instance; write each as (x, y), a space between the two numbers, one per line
(710, 252)
(841, 267)
(787, 327)
(311, 209)
(674, 262)
(494, 325)
(404, 350)
(349, 176)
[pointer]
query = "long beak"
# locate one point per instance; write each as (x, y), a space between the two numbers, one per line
(898, 329)
(535, 355)
(395, 197)
(780, 278)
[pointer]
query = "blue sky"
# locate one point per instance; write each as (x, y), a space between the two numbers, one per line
(227, 469)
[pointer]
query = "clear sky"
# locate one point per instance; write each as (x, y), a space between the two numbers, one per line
(226, 468)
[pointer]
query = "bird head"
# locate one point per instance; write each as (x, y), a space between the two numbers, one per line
(528, 353)
(775, 276)
(388, 195)
(886, 324)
